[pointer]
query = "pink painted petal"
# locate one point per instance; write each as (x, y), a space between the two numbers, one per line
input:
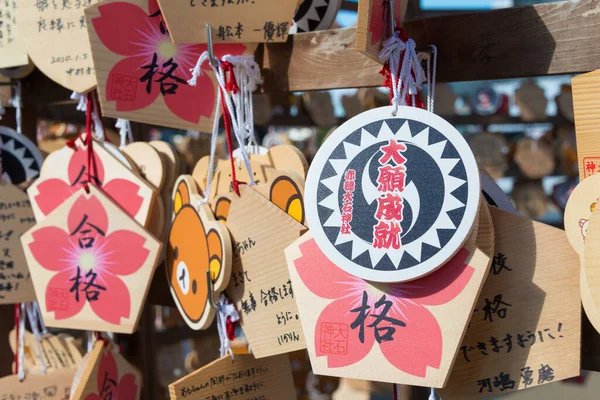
(125, 194)
(121, 27)
(52, 193)
(92, 396)
(127, 387)
(336, 340)
(442, 285)
(192, 102)
(126, 251)
(114, 302)
(59, 299)
(418, 344)
(108, 369)
(152, 7)
(50, 247)
(78, 169)
(124, 87)
(321, 276)
(91, 213)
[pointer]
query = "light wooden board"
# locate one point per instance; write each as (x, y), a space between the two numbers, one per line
(245, 376)
(591, 309)
(12, 49)
(110, 262)
(532, 291)
(197, 243)
(531, 100)
(54, 385)
(57, 41)
(142, 76)
(582, 202)
(534, 158)
(261, 288)
(426, 321)
(372, 27)
(66, 171)
(16, 217)
(58, 352)
(586, 102)
(107, 374)
(591, 294)
(486, 237)
(231, 21)
(149, 162)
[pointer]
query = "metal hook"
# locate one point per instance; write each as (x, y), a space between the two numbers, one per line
(209, 43)
(209, 284)
(391, 21)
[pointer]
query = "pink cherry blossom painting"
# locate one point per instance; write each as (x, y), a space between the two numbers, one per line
(406, 332)
(142, 75)
(90, 263)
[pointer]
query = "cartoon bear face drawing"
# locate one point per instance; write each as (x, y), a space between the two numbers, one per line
(583, 224)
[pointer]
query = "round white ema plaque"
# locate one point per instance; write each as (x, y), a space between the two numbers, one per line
(392, 198)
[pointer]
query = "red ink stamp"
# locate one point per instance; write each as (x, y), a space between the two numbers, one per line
(123, 88)
(57, 299)
(334, 338)
(591, 166)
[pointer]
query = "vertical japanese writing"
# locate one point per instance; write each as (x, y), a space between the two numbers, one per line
(347, 201)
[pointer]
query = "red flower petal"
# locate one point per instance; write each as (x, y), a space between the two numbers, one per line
(58, 298)
(52, 193)
(192, 102)
(108, 369)
(321, 276)
(78, 169)
(125, 194)
(442, 285)
(121, 27)
(418, 344)
(152, 7)
(127, 387)
(50, 246)
(90, 212)
(113, 303)
(124, 87)
(335, 339)
(126, 251)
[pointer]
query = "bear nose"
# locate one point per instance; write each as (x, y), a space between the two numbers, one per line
(183, 277)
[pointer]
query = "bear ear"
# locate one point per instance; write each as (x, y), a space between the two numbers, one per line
(181, 196)
(200, 172)
(222, 209)
(582, 222)
(286, 195)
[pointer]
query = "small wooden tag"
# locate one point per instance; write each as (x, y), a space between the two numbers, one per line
(407, 332)
(56, 39)
(149, 162)
(260, 284)
(12, 49)
(54, 385)
(66, 172)
(16, 217)
(244, 376)
(230, 20)
(85, 258)
(525, 330)
(197, 244)
(108, 375)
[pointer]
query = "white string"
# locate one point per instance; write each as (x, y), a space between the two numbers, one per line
(82, 106)
(21, 351)
(38, 312)
(35, 328)
(17, 103)
(225, 310)
(432, 395)
(125, 133)
(90, 341)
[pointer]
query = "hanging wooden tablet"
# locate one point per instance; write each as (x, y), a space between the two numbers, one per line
(564, 102)
(405, 333)
(148, 161)
(53, 385)
(373, 27)
(320, 108)
(490, 152)
(494, 196)
(85, 258)
(243, 376)
(525, 330)
(586, 101)
(21, 158)
(260, 284)
(56, 39)
(582, 203)
(534, 158)
(530, 199)
(16, 217)
(108, 375)
(590, 291)
(315, 15)
(67, 172)
(197, 244)
(142, 76)
(58, 352)
(391, 199)
(531, 100)
(12, 49)
(486, 101)
(170, 160)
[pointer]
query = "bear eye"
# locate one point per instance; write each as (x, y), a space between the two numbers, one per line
(176, 253)
(194, 286)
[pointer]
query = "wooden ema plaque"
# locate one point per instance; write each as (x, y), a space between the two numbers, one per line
(406, 333)
(21, 158)
(586, 102)
(372, 27)
(12, 49)
(16, 217)
(91, 264)
(54, 385)
(65, 172)
(525, 330)
(243, 21)
(260, 284)
(108, 375)
(56, 39)
(142, 76)
(243, 376)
